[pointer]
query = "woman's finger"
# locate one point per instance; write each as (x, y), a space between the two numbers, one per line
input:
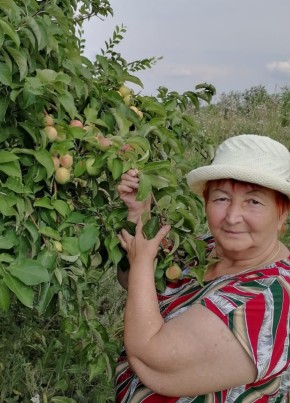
(161, 234)
(124, 238)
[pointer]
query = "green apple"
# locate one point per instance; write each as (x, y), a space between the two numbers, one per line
(91, 170)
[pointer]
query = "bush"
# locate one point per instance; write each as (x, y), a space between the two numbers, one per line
(68, 132)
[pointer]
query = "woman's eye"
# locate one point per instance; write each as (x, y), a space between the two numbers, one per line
(221, 199)
(254, 202)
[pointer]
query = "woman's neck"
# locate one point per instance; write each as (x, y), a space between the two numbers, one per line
(224, 264)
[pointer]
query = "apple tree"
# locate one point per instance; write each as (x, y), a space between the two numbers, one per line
(69, 128)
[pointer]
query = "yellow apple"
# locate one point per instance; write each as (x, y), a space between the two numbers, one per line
(173, 273)
(51, 133)
(124, 91)
(48, 120)
(137, 111)
(56, 162)
(127, 99)
(62, 175)
(57, 246)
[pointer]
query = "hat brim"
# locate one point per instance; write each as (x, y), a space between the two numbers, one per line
(197, 178)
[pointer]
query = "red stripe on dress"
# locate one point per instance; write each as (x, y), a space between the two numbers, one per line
(254, 316)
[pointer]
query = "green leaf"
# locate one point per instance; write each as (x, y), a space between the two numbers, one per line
(61, 207)
(4, 296)
(47, 293)
(67, 101)
(30, 130)
(20, 59)
(152, 106)
(157, 167)
(97, 367)
(151, 227)
(123, 123)
(7, 156)
(43, 202)
(71, 245)
(115, 166)
(23, 292)
(5, 74)
(133, 79)
(145, 187)
(61, 399)
(11, 169)
(88, 237)
(46, 75)
(34, 28)
(29, 272)
(9, 30)
(5, 209)
(4, 102)
(5, 257)
(159, 181)
(44, 158)
(50, 233)
(47, 258)
(115, 255)
(10, 8)
(15, 184)
(33, 231)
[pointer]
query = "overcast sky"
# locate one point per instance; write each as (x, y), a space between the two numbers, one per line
(232, 44)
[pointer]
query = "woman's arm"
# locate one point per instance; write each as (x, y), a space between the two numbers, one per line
(194, 353)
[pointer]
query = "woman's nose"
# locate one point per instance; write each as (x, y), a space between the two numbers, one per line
(234, 213)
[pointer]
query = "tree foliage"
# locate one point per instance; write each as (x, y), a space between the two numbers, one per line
(59, 225)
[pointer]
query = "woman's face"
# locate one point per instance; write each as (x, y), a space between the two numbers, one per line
(243, 218)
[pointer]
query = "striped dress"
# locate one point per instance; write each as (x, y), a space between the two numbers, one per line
(256, 307)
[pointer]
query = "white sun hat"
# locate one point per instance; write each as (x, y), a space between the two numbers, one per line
(247, 158)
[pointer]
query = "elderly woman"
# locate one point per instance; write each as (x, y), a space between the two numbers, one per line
(229, 340)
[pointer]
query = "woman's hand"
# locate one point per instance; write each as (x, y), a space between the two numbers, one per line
(128, 189)
(138, 248)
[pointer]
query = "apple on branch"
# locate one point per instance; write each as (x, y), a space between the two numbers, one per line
(76, 123)
(173, 272)
(48, 120)
(137, 111)
(103, 143)
(124, 91)
(56, 162)
(50, 132)
(126, 147)
(90, 168)
(62, 175)
(66, 160)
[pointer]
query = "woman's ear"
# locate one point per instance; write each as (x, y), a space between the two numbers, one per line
(282, 221)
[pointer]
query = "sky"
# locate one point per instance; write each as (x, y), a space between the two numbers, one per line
(232, 44)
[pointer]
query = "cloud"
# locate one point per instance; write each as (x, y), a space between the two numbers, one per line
(280, 67)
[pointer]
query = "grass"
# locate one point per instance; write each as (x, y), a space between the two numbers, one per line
(252, 112)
